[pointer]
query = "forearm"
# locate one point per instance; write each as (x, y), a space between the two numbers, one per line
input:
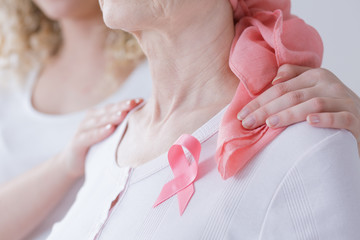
(27, 200)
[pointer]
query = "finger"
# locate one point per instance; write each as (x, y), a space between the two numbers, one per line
(339, 120)
(258, 117)
(88, 138)
(273, 93)
(127, 105)
(299, 112)
(116, 107)
(110, 114)
(288, 71)
(311, 78)
(101, 121)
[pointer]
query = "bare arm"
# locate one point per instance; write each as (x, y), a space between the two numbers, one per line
(26, 201)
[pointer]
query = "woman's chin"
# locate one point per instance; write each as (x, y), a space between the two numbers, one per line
(112, 20)
(127, 15)
(116, 19)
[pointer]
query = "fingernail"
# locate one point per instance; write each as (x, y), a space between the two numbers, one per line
(249, 122)
(119, 113)
(138, 100)
(272, 121)
(108, 127)
(313, 119)
(243, 113)
(277, 78)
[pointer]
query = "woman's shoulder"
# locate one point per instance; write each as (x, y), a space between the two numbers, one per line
(303, 184)
(12, 82)
(310, 150)
(301, 139)
(320, 187)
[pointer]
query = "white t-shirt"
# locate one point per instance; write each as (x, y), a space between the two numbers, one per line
(303, 185)
(29, 137)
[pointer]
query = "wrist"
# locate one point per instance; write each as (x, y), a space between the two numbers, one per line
(63, 163)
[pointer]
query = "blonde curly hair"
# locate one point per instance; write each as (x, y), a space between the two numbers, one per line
(28, 37)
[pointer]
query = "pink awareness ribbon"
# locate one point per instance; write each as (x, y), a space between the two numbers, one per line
(185, 172)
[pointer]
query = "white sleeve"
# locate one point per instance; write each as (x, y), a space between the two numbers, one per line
(319, 198)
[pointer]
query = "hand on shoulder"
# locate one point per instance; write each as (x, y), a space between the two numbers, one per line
(97, 126)
(301, 93)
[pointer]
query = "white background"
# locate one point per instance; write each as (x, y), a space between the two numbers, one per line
(338, 22)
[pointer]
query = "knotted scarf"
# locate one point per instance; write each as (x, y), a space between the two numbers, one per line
(266, 37)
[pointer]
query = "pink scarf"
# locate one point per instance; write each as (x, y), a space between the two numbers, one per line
(266, 37)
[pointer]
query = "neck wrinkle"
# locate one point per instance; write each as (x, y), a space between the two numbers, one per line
(189, 63)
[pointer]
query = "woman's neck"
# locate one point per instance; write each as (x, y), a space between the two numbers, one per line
(191, 83)
(83, 40)
(74, 79)
(189, 63)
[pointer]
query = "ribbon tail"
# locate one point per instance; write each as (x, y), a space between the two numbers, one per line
(166, 193)
(184, 197)
(171, 188)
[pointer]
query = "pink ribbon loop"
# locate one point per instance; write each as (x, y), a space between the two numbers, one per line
(185, 171)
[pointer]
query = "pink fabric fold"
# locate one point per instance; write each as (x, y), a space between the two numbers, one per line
(266, 37)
